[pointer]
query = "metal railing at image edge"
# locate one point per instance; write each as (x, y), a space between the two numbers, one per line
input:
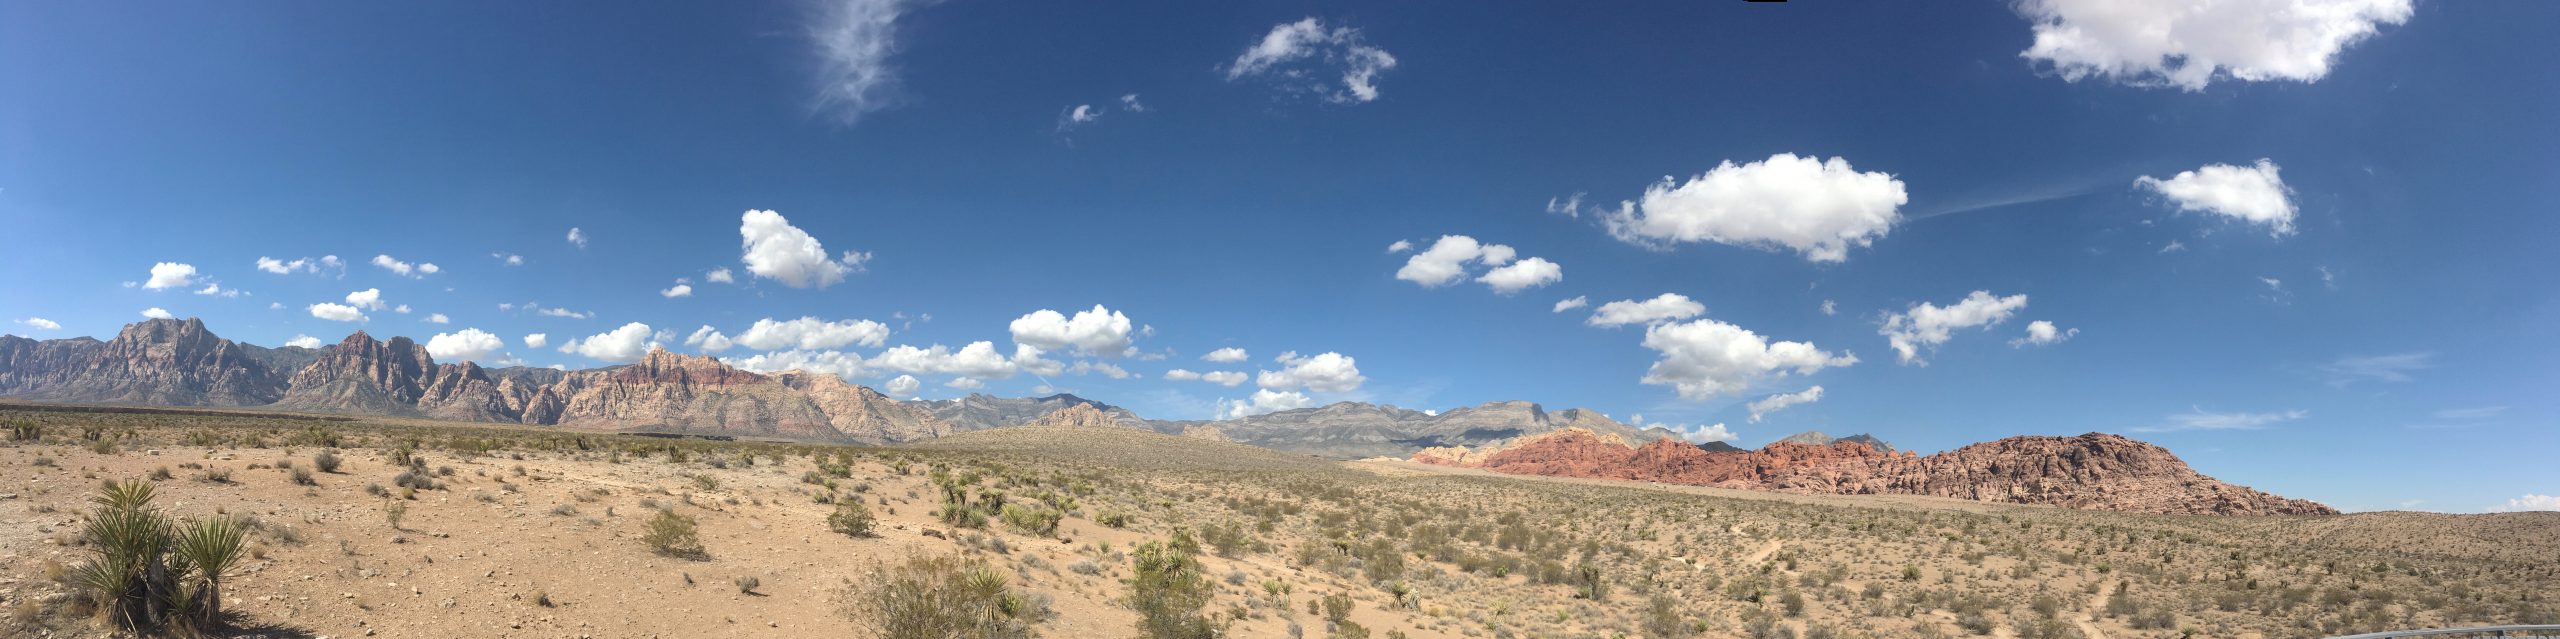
(2508, 632)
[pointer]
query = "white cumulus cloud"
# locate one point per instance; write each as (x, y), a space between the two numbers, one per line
(1400, 246)
(902, 385)
(40, 324)
(337, 312)
(1294, 53)
(438, 318)
(2175, 43)
(304, 341)
(578, 237)
(1454, 257)
(404, 269)
(2254, 194)
(537, 340)
(708, 339)
(1327, 373)
(1226, 355)
(1664, 307)
(1521, 275)
(679, 290)
(626, 344)
(1101, 332)
(838, 363)
(468, 344)
(810, 333)
(1263, 401)
(1812, 206)
(1705, 358)
(2529, 502)
(1578, 301)
(166, 275)
(1927, 325)
(2041, 333)
(1781, 401)
(978, 359)
(369, 299)
(157, 313)
(720, 275)
(776, 250)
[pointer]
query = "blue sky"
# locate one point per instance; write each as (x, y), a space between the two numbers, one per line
(2356, 320)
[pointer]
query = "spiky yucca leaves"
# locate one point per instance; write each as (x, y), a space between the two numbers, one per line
(211, 547)
(152, 573)
(944, 597)
(130, 581)
(1170, 588)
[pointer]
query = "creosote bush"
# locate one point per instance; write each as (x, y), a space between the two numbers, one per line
(673, 535)
(851, 519)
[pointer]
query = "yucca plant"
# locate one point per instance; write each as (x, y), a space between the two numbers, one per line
(211, 547)
(152, 573)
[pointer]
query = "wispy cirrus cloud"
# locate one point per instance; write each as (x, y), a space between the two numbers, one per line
(2394, 367)
(2200, 419)
(854, 42)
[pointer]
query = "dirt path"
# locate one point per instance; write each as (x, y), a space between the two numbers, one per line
(1764, 552)
(2088, 619)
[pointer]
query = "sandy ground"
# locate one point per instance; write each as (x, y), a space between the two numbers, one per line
(478, 559)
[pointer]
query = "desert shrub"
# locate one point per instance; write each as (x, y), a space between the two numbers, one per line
(415, 480)
(943, 597)
(747, 584)
(706, 482)
(393, 511)
(326, 461)
(302, 477)
(673, 535)
(152, 574)
(1033, 520)
(1337, 607)
(851, 519)
(1662, 619)
(25, 431)
(1169, 589)
(1115, 519)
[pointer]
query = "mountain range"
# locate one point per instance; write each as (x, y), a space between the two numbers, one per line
(173, 362)
(170, 362)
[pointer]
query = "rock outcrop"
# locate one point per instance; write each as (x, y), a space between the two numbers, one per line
(980, 412)
(361, 374)
(162, 362)
(2092, 471)
(860, 414)
(1077, 416)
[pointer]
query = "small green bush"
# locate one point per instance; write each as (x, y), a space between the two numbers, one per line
(851, 519)
(673, 535)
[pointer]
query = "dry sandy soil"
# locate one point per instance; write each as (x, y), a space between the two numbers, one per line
(532, 536)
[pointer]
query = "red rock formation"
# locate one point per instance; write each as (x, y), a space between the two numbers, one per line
(2093, 471)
